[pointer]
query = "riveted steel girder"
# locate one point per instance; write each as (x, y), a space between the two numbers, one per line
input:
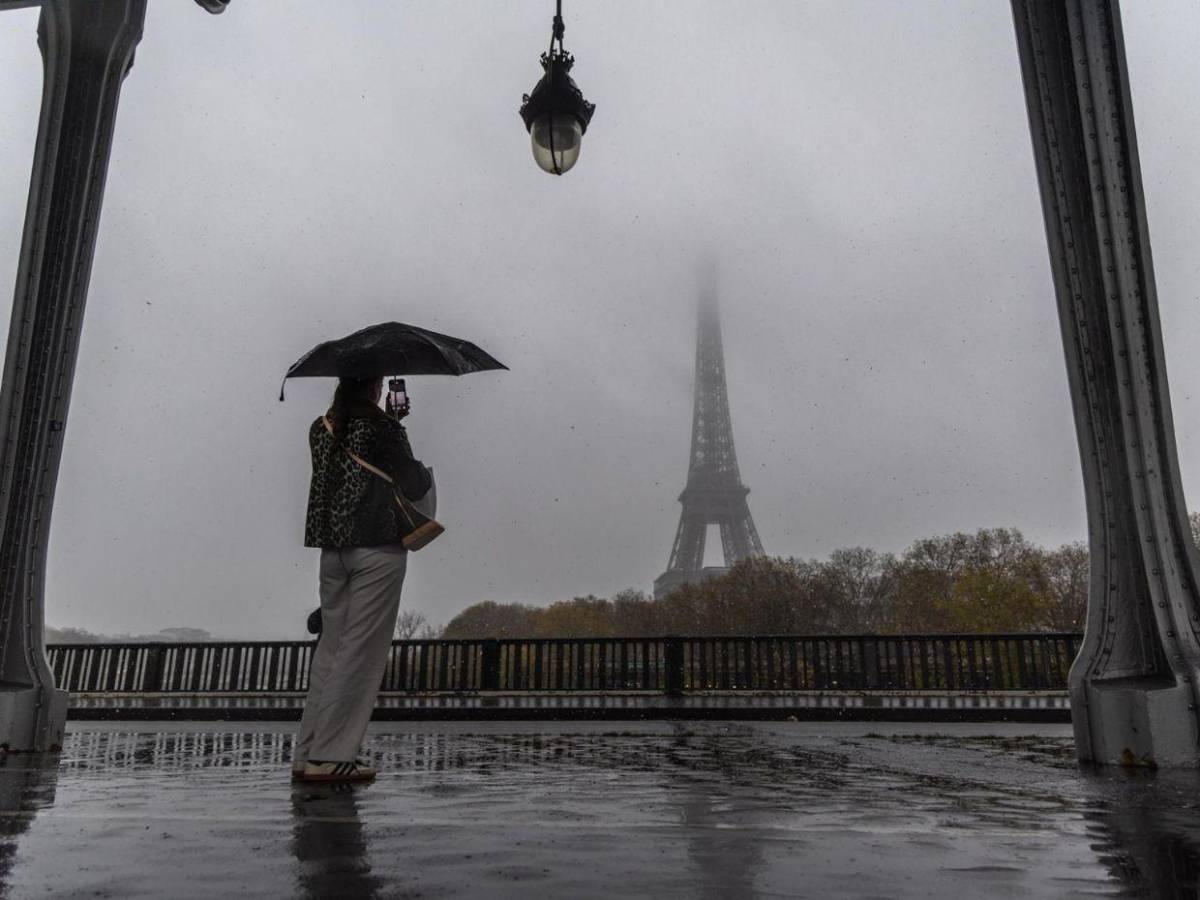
(714, 494)
(87, 48)
(1133, 685)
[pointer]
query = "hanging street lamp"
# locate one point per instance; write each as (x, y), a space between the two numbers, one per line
(555, 113)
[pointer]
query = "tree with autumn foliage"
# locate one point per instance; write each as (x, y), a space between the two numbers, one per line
(988, 581)
(993, 580)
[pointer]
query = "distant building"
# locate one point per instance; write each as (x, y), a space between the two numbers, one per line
(714, 494)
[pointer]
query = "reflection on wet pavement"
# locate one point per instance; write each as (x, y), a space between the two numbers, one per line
(513, 809)
(329, 844)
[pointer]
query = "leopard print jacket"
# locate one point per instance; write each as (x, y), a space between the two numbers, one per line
(348, 506)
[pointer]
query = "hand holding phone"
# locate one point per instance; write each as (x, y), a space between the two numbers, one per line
(397, 404)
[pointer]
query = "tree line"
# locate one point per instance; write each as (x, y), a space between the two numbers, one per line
(991, 581)
(177, 635)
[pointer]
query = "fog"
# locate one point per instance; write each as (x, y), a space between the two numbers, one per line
(860, 172)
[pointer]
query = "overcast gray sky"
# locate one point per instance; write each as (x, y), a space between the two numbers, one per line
(291, 171)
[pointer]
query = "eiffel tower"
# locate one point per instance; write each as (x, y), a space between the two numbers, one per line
(714, 494)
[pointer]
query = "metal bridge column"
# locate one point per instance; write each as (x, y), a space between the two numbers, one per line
(1133, 684)
(87, 48)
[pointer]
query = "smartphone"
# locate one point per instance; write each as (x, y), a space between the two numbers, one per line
(397, 398)
(398, 391)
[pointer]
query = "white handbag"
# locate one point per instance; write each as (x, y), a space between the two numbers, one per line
(427, 505)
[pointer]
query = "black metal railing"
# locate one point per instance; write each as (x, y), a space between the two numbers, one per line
(666, 665)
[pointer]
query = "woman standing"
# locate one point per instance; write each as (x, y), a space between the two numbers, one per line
(353, 519)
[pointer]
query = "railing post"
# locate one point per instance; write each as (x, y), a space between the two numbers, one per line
(152, 676)
(870, 664)
(673, 666)
(490, 669)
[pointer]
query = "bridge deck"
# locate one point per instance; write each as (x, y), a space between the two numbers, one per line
(523, 809)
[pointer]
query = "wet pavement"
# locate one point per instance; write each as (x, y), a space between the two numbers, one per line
(593, 809)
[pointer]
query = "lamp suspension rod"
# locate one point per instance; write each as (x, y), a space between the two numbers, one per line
(557, 33)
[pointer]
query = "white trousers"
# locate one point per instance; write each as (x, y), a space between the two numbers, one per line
(360, 596)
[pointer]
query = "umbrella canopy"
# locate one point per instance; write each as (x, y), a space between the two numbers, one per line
(392, 348)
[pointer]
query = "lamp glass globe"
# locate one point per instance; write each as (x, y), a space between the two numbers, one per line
(556, 139)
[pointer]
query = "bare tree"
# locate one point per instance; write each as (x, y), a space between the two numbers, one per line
(1066, 586)
(411, 625)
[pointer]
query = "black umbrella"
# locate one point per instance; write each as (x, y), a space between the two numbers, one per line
(392, 348)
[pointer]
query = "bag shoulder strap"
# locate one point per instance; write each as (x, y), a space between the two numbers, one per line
(354, 456)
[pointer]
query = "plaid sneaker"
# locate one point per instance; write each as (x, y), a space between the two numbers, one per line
(336, 771)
